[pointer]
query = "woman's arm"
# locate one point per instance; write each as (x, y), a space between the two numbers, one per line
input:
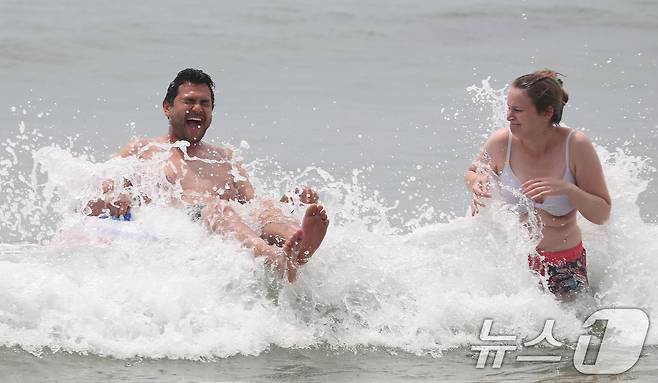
(590, 194)
(490, 158)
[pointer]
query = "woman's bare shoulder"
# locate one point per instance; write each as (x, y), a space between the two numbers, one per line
(496, 145)
(493, 151)
(499, 136)
(580, 139)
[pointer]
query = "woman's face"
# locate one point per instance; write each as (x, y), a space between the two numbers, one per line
(522, 114)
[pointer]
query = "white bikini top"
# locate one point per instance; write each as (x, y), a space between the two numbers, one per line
(510, 191)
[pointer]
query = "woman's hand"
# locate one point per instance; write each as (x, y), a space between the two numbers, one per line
(538, 189)
(480, 189)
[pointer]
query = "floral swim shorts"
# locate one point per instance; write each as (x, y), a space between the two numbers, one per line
(564, 271)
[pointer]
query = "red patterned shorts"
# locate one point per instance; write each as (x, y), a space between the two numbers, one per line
(565, 271)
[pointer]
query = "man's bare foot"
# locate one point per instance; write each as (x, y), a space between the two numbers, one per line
(303, 243)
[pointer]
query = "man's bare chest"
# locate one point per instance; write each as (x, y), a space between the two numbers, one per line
(206, 179)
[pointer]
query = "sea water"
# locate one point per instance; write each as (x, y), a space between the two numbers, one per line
(379, 106)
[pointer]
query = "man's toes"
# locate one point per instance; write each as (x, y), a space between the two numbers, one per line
(296, 238)
(315, 209)
(293, 241)
(287, 247)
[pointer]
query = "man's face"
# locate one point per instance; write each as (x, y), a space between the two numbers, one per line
(191, 113)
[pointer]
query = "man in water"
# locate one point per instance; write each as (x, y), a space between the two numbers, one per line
(210, 178)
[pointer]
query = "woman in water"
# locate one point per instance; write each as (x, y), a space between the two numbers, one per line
(552, 167)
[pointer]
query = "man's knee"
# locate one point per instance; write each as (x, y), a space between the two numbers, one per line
(217, 213)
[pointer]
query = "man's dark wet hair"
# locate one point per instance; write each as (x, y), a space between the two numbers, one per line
(191, 75)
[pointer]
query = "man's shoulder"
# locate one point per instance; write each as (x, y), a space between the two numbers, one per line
(141, 146)
(220, 152)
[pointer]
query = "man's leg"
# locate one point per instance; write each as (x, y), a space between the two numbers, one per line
(276, 228)
(222, 219)
(302, 240)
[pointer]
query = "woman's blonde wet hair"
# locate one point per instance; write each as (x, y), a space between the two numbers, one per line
(545, 90)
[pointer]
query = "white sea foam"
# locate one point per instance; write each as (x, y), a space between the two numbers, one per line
(161, 286)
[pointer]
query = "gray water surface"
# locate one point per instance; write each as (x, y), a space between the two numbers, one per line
(314, 365)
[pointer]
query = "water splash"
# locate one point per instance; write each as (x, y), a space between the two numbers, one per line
(161, 286)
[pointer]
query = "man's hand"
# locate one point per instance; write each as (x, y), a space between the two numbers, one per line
(306, 196)
(115, 207)
(119, 207)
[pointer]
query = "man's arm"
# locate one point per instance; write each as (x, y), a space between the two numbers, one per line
(245, 189)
